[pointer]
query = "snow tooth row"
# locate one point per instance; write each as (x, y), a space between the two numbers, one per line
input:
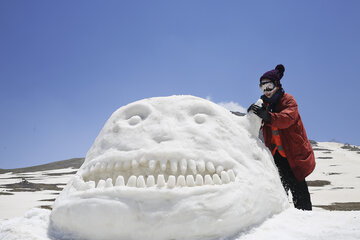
(151, 167)
(140, 181)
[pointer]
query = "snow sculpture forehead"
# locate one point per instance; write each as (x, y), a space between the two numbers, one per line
(177, 167)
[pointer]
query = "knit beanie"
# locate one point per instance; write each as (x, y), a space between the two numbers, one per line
(274, 75)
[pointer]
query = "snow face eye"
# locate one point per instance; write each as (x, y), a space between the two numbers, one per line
(136, 111)
(134, 120)
(116, 129)
(200, 118)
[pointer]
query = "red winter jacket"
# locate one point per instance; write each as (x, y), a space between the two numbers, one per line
(293, 136)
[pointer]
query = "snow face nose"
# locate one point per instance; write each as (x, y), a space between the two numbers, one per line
(162, 133)
(162, 138)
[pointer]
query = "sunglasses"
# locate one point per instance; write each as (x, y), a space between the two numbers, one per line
(267, 86)
(263, 83)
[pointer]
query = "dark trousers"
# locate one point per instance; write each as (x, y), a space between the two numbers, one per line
(299, 190)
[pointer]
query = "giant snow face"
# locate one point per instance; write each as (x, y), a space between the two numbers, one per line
(177, 167)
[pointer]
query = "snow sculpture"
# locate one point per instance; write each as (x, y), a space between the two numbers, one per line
(178, 167)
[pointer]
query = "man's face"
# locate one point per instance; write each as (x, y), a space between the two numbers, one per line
(268, 87)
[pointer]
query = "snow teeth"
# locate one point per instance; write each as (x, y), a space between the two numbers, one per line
(201, 166)
(140, 182)
(101, 184)
(134, 164)
(190, 180)
(110, 166)
(171, 182)
(117, 166)
(217, 179)
(210, 167)
(225, 177)
(208, 180)
(219, 169)
(181, 181)
(173, 166)
(108, 183)
(161, 181)
(192, 166)
(152, 165)
(103, 167)
(231, 175)
(131, 181)
(150, 181)
(143, 161)
(199, 180)
(183, 166)
(120, 181)
(163, 165)
(143, 173)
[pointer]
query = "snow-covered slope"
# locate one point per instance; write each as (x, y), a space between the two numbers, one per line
(17, 197)
(335, 182)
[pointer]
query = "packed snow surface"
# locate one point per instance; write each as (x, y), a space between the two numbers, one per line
(291, 224)
(177, 167)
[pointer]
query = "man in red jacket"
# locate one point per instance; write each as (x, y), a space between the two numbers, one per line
(285, 136)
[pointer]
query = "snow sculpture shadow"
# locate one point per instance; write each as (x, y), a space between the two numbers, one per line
(178, 167)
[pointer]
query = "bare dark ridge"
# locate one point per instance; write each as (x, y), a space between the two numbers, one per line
(341, 206)
(26, 186)
(318, 183)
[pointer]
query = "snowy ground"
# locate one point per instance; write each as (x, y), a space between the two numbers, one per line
(17, 203)
(291, 224)
(335, 184)
(339, 166)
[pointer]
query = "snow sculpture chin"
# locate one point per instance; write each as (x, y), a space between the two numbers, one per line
(178, 167)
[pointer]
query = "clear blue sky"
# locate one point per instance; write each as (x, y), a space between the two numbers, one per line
(65, 66)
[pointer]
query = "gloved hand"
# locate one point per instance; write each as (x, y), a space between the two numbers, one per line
(261, 112)
(252, 106)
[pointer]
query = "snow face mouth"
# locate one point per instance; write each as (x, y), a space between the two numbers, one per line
(144, 173)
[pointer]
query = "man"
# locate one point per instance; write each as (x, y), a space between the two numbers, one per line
(285, 136)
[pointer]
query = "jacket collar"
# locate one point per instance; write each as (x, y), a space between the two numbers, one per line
(272, 102)
(279, 93)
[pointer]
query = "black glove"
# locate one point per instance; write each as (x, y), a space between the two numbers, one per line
(261, 112)
(252, 106)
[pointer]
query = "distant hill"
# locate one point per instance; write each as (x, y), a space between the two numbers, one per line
(70, 163)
